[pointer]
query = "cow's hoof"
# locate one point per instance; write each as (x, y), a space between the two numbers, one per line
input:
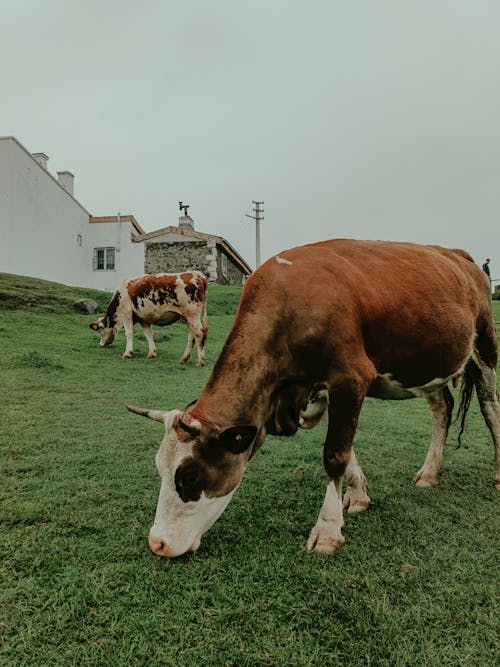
(355, 501)
(324, 543)
(182, 360)
(424, 481)
(497, 486)
(127, 355)
(200, 363)
(152, 355)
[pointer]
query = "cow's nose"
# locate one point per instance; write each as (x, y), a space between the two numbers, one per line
(159, 547)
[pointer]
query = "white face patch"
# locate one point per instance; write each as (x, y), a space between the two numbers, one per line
(180, 525)
(107, 336)
(282, 260)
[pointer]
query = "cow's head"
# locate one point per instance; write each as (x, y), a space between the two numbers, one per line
(200, 468)
(106, 331)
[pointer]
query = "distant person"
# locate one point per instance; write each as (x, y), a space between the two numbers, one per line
(486, 269)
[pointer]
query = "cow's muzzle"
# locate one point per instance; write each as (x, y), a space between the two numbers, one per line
(161, 548)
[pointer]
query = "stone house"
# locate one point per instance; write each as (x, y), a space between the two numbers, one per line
(176, 249)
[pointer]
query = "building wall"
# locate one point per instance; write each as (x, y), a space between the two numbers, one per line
(129, 257)
(45, 232)
(175, 257)
(233, 274)
(39, 221)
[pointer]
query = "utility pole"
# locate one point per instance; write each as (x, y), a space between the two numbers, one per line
(257, 217)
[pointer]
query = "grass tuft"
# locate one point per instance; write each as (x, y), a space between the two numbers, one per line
(34, 359)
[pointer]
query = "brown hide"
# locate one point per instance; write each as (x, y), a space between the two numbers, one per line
(343, 313)
(317, 329)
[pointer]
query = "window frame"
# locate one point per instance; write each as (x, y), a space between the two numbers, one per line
(108, 254)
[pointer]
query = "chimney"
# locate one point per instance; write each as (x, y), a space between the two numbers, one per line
(66, 179)
(186, 222)
(42, 159)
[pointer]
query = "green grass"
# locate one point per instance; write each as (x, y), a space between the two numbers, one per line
(415, 584)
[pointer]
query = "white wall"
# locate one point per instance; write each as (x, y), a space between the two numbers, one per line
(40, 223)
(129, 257)
(39, 220)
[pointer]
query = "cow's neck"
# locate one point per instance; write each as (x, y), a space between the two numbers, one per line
(243, 380)
(112, 308)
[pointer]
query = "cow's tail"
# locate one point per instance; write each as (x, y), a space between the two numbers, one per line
(466, 393)
(204, 321)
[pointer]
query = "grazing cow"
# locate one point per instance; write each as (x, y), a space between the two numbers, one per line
(158, 298)
(317, 329)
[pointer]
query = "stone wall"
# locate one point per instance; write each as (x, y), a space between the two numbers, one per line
(233, 274)
(176, 257)
(201, 256)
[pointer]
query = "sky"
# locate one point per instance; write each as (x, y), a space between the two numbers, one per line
(370, 119)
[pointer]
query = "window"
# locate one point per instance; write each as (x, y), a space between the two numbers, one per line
(104, 259)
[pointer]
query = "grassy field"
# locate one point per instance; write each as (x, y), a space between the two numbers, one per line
(415, 584)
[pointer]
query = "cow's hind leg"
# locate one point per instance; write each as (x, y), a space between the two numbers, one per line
(128, 325)
(326, 536)
(441, 405)
(486, 387)
(196, 333)
(189, 347)
(356, 498)
(148, 335)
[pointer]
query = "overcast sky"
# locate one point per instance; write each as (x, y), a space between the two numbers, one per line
(357, 118)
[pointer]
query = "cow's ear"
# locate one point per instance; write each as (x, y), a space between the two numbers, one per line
(237, 439)
(95, 326)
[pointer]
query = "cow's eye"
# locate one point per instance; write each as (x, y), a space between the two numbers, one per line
(189, 480)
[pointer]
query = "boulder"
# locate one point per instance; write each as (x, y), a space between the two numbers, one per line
(87, 306)
(159, 335)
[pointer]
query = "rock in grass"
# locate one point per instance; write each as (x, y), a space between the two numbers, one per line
(159, 335)
(87, 306)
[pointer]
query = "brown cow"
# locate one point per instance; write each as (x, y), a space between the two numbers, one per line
(318, 328)
(158, 298)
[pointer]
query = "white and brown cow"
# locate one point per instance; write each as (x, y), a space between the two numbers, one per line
(158, 298)
(317, 329)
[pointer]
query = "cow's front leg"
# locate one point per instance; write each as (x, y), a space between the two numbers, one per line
(128, 325)
(343, 413)
(148, 335)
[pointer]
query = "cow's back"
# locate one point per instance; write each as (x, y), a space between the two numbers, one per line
(397, 303)
(152, 294)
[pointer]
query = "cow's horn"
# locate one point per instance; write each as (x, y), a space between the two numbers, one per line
(157, 415)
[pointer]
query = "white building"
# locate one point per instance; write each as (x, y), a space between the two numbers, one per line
(46, 233)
